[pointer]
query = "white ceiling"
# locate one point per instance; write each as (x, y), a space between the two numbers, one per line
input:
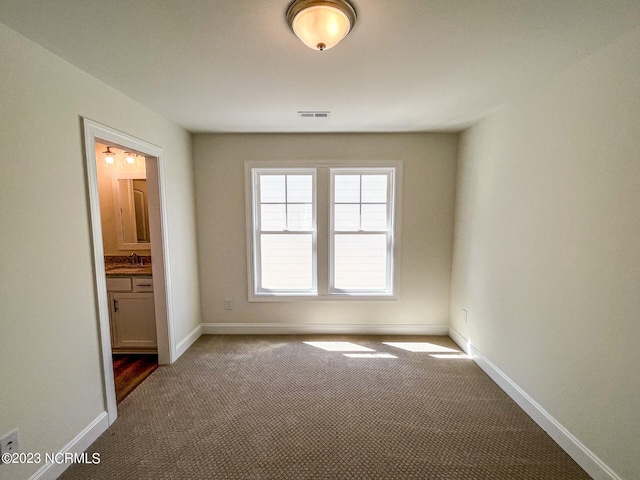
(409, 65)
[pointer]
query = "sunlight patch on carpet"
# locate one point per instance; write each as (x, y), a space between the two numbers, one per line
(421, 347)
(340, 346)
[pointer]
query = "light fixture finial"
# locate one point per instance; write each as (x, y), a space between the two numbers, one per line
(321, 24)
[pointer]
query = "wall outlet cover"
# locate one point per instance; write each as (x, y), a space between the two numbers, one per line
(10, 442)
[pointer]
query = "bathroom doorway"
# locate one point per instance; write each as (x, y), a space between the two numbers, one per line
(134, 285)
(126, 241)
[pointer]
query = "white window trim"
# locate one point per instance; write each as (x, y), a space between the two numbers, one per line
(323, 294)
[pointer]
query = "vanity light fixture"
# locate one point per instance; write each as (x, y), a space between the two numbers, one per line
(109, 156)
(321, 24)
(129, 159)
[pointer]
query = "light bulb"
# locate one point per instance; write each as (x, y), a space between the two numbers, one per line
(129, 158)
(109, 156)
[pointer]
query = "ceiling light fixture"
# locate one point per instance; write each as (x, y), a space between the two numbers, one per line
(109, 156)
(129, 159)
(321, 24)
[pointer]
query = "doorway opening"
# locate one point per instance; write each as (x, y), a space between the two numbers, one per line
(124, 179)
(126, 241)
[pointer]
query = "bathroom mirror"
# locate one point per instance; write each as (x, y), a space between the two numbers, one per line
(131, 211)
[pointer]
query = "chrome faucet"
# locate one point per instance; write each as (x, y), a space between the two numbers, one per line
(133, 258)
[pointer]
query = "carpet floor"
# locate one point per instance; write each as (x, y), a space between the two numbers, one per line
(274, 407)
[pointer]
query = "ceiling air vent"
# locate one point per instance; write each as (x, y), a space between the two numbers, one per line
(310, 114)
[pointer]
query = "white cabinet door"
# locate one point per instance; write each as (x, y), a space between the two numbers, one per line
(133, 320)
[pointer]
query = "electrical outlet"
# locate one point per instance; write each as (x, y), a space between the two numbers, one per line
(9, 443)
(228, 304)
(466, 315)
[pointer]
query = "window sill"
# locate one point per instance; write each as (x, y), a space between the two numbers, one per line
(334, 297)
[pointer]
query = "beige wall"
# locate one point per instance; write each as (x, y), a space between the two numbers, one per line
(547, 248)
(427, 225)
(50, 375)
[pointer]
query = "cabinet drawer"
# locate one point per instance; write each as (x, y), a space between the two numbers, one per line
(119, 284)
(143, 284)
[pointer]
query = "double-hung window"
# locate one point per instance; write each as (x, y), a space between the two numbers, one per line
(362, 231)
(322, 232)
(284, 218)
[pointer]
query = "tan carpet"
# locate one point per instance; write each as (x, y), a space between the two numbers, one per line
(273, 407)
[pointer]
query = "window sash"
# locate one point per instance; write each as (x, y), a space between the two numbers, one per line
(258, 232)
(388, 231)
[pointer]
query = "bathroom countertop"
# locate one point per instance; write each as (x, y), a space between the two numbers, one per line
(127, 270)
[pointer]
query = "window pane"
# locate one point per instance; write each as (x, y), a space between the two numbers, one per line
(287, 261)
(299, 188)
(374, 217)
(360, 262)
(272, 189)
(272, 218)
(347, 188)
(299, 216)
(374, 188)
(346, 217)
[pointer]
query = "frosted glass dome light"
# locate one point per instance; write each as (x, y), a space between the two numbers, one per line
(321, 24)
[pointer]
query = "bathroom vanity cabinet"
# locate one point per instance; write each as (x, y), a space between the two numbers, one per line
(132, 314)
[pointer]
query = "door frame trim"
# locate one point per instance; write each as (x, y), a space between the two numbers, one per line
(96, 132)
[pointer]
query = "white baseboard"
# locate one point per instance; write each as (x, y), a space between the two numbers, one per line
(305, 329)
(82, 441)
(187, 341)
(459, 340)
(584, 457)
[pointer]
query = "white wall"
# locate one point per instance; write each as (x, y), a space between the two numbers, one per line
(50, 375)
(427, 225)
(547, 248)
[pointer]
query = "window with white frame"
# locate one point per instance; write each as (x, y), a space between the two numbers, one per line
(284, 224)
(354, 223)
(362, 230)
